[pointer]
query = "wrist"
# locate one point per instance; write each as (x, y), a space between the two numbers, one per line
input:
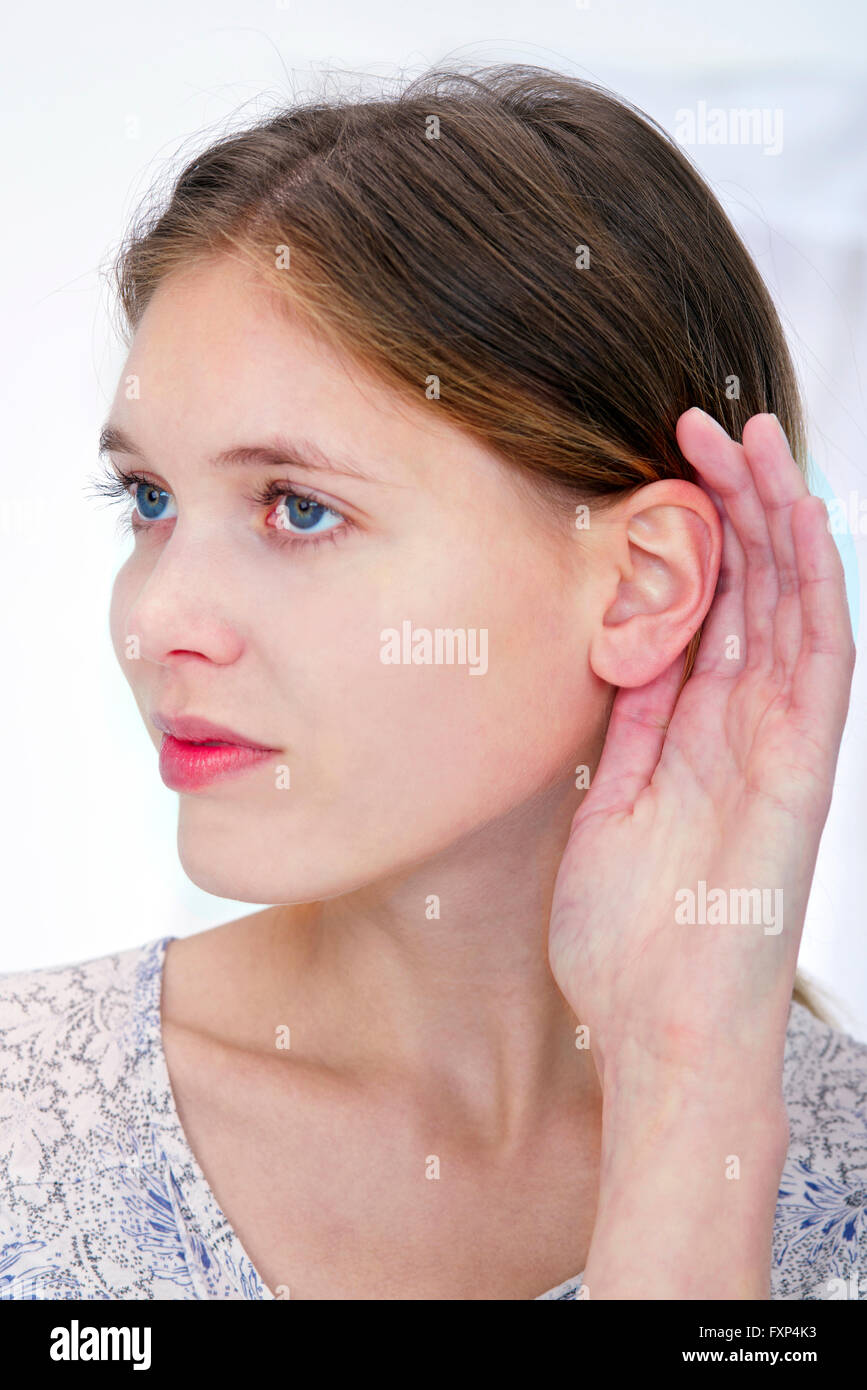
(659, 1104)
(651, 1078)
(687, 1194)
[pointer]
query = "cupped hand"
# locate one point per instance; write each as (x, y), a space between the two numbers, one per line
(727, 783)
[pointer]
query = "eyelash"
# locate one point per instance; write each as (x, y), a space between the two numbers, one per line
(116, 484)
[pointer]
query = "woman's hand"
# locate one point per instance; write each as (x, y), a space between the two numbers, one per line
(728, 783)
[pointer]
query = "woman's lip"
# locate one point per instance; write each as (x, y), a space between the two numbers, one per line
(190, 729)
(187, 766)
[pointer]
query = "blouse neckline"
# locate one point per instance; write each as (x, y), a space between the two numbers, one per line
(195, 1188)
(209, 1217)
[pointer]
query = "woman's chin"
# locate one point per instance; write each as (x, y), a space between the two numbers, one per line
(236, 876)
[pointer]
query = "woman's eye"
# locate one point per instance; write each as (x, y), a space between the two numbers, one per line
(149, 500)
(304, 514)
(294, 514)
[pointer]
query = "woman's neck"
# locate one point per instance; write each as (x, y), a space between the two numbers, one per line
(439, 978)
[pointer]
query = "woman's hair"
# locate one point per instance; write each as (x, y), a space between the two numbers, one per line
(530, 251)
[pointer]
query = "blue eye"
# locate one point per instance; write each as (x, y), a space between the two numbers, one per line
(295, 514)
(148, 498)
(305, 513)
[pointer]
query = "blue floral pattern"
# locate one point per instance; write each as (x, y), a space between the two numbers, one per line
(101, 1196)
(826, 1216)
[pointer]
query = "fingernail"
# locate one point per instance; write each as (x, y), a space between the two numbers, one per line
(780, 428)
(716, 424)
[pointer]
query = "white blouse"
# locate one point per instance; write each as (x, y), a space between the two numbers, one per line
(102, 1197)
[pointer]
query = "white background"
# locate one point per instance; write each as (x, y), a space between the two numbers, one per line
(98, 100)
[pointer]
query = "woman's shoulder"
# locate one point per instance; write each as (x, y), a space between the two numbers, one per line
(56, 1020)
(47, 981)
(74, 1045)
(820, 1235)
(100, 1195)
(66, 1033)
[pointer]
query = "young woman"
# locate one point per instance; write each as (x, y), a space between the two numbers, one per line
(488, 632)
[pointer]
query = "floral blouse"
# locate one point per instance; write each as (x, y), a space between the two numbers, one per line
(102, 1197)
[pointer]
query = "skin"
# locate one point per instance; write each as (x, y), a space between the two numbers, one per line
(411, 1035)
(729, 782)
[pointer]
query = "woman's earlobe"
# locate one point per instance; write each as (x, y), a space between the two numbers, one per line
(626, 654)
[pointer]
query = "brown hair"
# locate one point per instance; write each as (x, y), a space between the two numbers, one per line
(438, 234)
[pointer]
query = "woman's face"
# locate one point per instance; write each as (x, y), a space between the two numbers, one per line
(269, 617)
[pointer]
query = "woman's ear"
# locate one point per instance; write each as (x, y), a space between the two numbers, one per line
(659, 556)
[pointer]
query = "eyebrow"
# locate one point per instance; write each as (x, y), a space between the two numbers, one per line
(279, 453)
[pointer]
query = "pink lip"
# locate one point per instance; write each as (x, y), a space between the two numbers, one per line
(195, 752)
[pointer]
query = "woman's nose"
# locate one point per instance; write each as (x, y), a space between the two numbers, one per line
(183, 606)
